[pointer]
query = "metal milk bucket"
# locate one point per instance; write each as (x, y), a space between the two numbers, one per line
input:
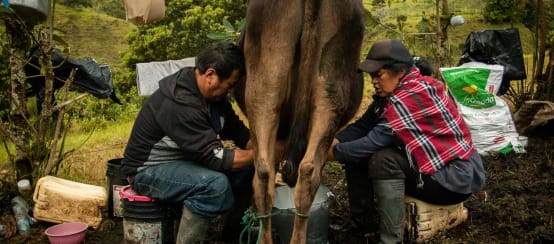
(318, 221)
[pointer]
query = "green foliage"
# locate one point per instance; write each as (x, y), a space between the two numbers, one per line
(530, 19)
(230, 33)
(184, 30)
(378, 2)
(506, 11)
(401, 21)
(427, 23)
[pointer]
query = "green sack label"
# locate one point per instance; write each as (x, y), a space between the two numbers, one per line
(469, 86)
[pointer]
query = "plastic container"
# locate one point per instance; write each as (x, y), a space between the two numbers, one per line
(67, 233)
(147, 221)
(115, 182)
(23, 209)
(24, 185)
(59, 200)
(18, 200)
(22, 220)
(318, 221)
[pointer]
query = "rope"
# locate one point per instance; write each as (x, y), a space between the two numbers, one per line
(250, 217)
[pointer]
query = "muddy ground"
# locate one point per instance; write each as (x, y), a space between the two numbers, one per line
(516, 206)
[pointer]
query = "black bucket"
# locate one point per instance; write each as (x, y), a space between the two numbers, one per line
(149, 222)
(115, 180)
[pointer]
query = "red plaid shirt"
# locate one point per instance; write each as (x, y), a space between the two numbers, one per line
(425, 118)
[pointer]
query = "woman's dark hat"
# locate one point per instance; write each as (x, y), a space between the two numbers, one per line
(383, 52)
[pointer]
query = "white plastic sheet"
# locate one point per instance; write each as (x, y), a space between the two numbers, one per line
(149, 74)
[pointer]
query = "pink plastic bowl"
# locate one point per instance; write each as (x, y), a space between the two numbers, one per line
(67, 233)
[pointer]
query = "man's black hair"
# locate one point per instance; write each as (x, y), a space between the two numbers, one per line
(224, 57)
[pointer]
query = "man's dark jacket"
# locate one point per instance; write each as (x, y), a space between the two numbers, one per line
(176, 123)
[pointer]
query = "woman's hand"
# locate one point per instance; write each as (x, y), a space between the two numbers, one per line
(330, 154)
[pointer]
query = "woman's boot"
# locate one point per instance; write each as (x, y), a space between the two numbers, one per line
(390, 205)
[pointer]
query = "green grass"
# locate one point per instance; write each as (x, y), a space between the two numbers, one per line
(101, 37)
(88, 162)
(90, 34)
(89, 152)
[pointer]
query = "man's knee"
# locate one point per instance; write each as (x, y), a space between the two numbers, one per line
(388, 163)
(212, 199)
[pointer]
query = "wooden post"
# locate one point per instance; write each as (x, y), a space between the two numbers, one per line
(439, 34)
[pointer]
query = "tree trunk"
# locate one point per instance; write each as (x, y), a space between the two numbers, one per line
(19, 125)
(544, 86)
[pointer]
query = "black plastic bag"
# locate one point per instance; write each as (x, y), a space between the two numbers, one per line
(497, 47)
(90, 77)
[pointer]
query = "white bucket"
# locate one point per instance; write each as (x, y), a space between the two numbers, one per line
(318, 221)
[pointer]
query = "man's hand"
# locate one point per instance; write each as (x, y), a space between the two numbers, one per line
(243, 158)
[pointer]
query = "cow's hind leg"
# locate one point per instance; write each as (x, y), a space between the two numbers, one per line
(331, 85)
(309, 171)
(271, 36)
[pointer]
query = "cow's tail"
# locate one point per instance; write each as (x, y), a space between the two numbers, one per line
(307, 56)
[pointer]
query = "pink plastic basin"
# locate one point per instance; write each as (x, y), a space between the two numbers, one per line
(67, 233)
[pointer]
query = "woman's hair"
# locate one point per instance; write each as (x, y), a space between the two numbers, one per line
(397, 67)
(423, 65)
(224, 57)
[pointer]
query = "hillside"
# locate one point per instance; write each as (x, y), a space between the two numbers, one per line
(103, 37)
(91, 34)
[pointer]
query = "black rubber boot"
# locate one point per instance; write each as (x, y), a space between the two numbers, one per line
(390, 204)
(192, 228)
(363, 214)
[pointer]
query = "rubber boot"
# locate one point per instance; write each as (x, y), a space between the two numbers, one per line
(390, 204)
(232, 226)
(361, 200)
(192, 228)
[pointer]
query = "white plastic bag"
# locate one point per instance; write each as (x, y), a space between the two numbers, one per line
(487, 116)
(492, 129)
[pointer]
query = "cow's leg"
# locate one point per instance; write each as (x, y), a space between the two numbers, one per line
(263, 105)
(271, 36)
(335, 65)
(323, 126)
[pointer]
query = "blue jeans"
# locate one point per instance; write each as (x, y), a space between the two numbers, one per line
(203, 191)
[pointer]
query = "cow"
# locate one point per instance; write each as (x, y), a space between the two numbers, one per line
(302, 85)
